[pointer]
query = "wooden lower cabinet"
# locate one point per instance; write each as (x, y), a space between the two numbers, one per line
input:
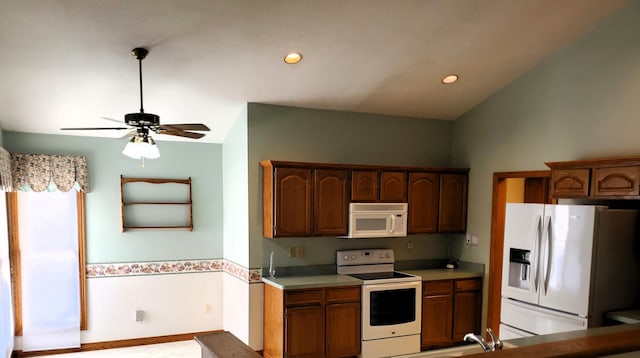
(304, 328)
(450, 309)
(437, 313)
(342, 331)
(322, 322)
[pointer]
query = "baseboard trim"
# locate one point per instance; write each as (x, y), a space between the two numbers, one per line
(114, 344)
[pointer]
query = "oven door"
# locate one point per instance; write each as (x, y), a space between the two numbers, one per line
(391, 309)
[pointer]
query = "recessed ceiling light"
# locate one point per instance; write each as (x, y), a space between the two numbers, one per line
(293, 58)
(450, 79)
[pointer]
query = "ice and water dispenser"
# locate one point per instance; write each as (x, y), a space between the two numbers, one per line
(519, 267)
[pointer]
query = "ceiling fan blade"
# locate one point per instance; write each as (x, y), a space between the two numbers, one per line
(181, 133)
(129, 134)
(113, 120)
(92, 128)
(185, 127)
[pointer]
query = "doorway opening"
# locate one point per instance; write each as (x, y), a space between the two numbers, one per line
(509, 187)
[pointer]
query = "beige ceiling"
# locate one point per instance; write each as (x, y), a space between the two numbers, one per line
(66, 63)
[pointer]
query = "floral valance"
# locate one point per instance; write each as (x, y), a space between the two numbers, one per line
(6, 181)
(49, 172)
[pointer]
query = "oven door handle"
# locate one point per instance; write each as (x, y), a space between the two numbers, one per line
(393, 285)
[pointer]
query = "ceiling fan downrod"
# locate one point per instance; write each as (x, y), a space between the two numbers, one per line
(140, 53)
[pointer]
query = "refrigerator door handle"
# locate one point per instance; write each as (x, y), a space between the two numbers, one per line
(547, 264)
(536, 253)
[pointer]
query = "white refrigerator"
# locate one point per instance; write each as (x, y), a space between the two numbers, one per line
(565, 266)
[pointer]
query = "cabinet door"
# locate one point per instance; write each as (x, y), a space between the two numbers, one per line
(304, 331)
(364, 185)
(292, 213)
(437, 312)
(570, 183)
(466, 314)
(423, 203)
(618, 181)
(331, 202)
(393, 187)
(453, 203)
(342, 329)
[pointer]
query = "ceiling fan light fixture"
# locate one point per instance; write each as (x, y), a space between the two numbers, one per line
(141, 146)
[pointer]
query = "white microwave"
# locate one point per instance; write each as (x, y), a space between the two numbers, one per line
(368, 220)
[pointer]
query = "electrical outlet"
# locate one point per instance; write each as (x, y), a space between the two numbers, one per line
(293, 252)
(139, 315)
(300, 251)
(410, 245)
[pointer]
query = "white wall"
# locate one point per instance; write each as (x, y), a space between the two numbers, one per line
(6, 305)
(172, 303)
(243, 303)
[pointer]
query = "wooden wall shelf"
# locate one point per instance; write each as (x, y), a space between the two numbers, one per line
(156, 204)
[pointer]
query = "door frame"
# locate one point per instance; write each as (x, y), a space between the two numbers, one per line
(498, 208)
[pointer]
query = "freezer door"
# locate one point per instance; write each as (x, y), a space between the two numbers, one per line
(523, 225)
(538, 320)
(507, 332)
(565, 259)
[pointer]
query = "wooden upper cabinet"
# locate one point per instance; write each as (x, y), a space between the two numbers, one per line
(331, 202)
(365, 185)
(423, 203)
(312, 199)
(393, 187)
(616, 181)
(378, 186)
(452, 216)
(292, 203)
(570, 182)
(613, 178)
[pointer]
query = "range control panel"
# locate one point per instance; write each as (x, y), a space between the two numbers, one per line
(364, 257)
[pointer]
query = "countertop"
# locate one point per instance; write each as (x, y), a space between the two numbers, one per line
(443, 274)
(336, 280)
(311, 281)
(612, 341)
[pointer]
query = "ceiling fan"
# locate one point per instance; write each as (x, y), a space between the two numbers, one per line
(143, 122)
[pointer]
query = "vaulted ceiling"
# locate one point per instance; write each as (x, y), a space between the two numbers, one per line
(67, 63)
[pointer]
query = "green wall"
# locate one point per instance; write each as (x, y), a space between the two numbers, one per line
(581, 103)
(105, 240)
(236, 202)
(309, 135)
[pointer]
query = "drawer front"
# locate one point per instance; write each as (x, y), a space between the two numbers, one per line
(302, 297)
(343, 294)
(437, 287)
(473, 284)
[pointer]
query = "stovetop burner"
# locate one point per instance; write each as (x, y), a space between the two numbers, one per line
(372, 266)
(380, 275)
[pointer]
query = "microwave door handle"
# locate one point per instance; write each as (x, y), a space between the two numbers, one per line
(393, 224)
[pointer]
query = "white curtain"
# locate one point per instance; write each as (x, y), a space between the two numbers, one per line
(6, 305)
(48, 234)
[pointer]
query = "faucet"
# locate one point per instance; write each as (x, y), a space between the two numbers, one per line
(496, 343)
(272, 270)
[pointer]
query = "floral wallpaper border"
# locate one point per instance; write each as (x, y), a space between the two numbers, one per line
(173, 267)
